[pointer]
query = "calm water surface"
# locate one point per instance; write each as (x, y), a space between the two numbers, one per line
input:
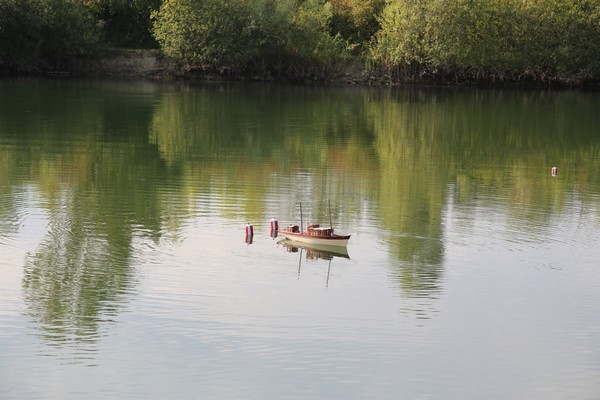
(472, 272)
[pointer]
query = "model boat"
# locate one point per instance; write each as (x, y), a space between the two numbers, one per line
(314, 234)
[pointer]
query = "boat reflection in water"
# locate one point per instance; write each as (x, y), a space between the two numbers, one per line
(315, 252)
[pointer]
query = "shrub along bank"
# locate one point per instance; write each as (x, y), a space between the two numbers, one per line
(440, 41)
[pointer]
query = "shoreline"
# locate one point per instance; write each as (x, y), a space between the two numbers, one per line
(116, 63)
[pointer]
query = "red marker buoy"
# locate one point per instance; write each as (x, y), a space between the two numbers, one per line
(249, 230)
(554, 171)
(249, 233)
(274, 225)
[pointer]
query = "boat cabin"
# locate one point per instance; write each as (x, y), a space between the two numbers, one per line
(293, 228)
(316, 230)
(312, 230)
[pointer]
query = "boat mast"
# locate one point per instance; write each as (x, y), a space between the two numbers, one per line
(329, 207)
(301, 228)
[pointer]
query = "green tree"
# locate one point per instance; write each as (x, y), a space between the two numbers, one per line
(211, 33)
(249, 36)
(399, 47)
(19, 34)
(578, 51)
(68, 32)
(356, 20)
(489, 39)
(126, 23)
(45, 34)
(309, 42)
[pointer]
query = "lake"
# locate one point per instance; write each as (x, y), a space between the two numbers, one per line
(472, 271)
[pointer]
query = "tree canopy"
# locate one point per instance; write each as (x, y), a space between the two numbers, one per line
(490, 39)
(435, 40)
(45, 34)
(281, 36)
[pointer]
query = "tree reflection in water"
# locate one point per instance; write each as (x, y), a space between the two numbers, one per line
(76, 277)
(138, 158)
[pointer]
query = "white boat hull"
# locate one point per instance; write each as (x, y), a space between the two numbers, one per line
(327, 250)
(336, 240)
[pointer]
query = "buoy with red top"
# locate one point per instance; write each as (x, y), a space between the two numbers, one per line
(249, 230)
(249, 233)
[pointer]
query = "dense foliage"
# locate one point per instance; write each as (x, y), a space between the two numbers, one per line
(266, 36)
(45, 34)
(434, 40)
(356, 20)
(490, 39)
(125, 23)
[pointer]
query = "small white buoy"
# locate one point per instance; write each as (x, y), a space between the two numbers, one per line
(554, 171)
(274, 225)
